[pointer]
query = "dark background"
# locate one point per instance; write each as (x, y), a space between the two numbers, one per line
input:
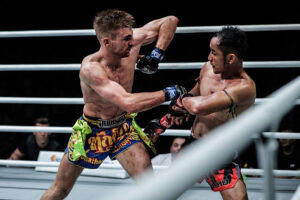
(62, 15)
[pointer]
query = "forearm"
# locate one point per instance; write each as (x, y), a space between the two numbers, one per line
(196, 105)
(204, 105)
(143, 101)
(166, 32)
(147, 100)
(163, 31)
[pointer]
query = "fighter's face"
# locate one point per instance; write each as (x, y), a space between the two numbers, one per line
(215, 56)
(123, 42)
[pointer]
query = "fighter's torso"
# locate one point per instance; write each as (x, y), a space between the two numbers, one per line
(95, 105)
(209, 84)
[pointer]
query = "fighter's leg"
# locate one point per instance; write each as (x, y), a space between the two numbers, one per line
(64, 181)
(238, 192)
(135, 159)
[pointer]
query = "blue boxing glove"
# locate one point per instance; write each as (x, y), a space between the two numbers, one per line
(173, 92)
(148, 64)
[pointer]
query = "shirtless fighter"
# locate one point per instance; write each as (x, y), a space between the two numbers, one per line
(222, 91)
(106, 79)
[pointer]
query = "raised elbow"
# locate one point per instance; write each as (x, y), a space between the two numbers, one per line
(174, 19)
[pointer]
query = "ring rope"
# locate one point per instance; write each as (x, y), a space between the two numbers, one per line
(162, 66)
(169, 132)
(245, 171)
(60, 100)
(187, 29)
(39, 100)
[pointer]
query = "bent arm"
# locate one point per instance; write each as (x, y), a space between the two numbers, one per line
(203, 105)
(114, 93)
(162, 30)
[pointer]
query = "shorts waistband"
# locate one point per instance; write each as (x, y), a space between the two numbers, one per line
(106, 123)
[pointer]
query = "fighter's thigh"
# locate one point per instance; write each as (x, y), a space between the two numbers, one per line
(238, 192)
(135, 159)
(67, 173)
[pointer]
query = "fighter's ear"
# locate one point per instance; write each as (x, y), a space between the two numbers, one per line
(105, 41)
(231, 58)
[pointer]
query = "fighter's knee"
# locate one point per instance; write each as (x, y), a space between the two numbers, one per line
(146, 164)
(237, 196)
(141, 167)
(61, 192)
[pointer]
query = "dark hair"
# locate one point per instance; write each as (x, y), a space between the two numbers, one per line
(232, 40)
(42, 120)
(107, 22)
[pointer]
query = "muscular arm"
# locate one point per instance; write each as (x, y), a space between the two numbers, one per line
(162, 30)
(131, 103)
(242, 94)
(114, 93)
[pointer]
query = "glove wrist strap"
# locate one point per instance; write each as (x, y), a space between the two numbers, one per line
(170, 93)
(157, 54)
(165, 122)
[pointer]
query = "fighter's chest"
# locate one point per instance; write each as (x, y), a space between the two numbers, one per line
(124, 77)
(210, 85)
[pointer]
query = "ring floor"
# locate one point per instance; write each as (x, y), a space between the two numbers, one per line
(26, 183)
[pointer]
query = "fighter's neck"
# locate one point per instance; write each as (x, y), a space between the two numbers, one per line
(231, 74)
(110, 60)
(232, 71)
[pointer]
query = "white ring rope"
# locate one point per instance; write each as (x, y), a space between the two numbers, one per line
(162, 66)
(265, 27)
(276, 172)
(30, 129)
(169, 132)
(245, 171)
(39, 100)
(25, 163)
(60, 100)
(40, 67)
(188, 29)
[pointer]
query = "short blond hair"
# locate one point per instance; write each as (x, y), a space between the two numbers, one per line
(107, 22)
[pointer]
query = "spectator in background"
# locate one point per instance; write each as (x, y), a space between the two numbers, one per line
(31, 146)
(288, 153)
(166, 159)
